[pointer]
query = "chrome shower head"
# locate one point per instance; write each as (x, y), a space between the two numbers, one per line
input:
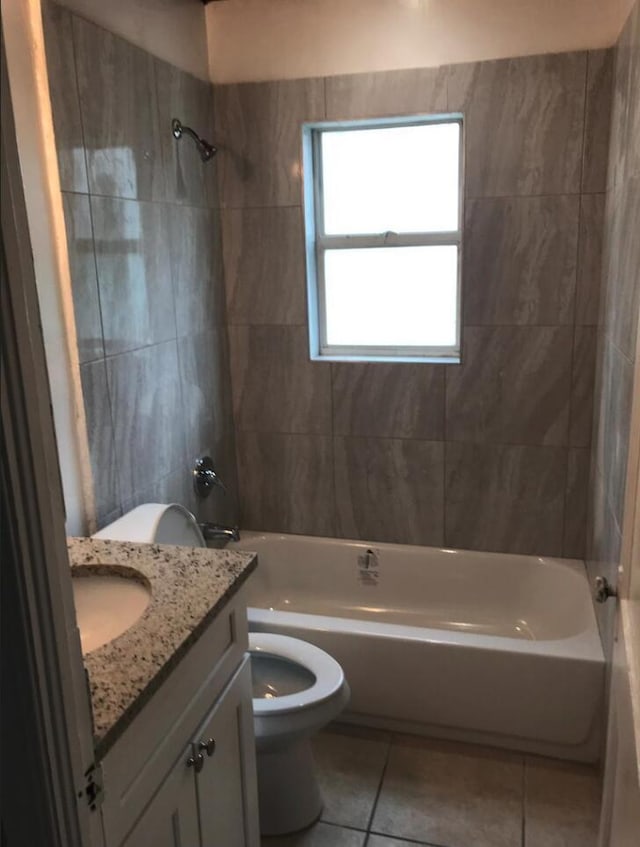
(207, 151)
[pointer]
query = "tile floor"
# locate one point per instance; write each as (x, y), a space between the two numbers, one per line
(384, 790)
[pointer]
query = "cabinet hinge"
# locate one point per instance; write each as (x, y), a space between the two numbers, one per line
(92, 792)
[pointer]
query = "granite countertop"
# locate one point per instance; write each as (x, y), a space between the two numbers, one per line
(189, 586)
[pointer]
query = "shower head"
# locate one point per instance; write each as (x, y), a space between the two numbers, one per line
(207, 151)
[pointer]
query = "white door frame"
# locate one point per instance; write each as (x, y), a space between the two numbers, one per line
(57, 739)
(620, 822)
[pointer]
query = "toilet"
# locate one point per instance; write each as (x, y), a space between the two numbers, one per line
(297, 687)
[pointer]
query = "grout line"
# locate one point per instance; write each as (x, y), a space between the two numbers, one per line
(378, 792)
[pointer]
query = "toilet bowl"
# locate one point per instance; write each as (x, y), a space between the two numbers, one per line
(297, 688)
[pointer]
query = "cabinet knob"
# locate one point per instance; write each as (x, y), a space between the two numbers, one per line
(209, 745)
(196, 761)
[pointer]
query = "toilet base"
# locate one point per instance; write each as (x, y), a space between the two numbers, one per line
(288, 791)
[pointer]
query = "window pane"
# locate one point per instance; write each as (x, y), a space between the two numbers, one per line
(396, 179)
(391, 296)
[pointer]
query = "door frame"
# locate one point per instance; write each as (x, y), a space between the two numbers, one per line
(47, 727)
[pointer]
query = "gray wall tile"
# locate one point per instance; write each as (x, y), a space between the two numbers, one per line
(513, 386)
(144, 387)
(388, 400)
(286, 481)
(505, 498)
(604, 545)
(524, 123)
(264, 265)
(582, 385)
(589, 278)
(520, 260)
(623, 261)
(119, 113)
(195, 257)
(258, 127)
(276, 387)
(597, 120)
(101, 440)
(84, 282)
(388, 93)
(390, 490)
(614, 413)
(576, 502)
(63, 90)
(180, 95)
(134, 274)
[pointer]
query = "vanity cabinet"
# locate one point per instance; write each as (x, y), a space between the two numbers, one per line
(201, 802)
(183, 774)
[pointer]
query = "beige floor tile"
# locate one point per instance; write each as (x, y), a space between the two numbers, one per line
(385, 841)
(562, 804)
(350, 767)
(319, 835)
(451, 795)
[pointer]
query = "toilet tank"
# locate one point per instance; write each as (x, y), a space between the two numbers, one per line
(155, 523)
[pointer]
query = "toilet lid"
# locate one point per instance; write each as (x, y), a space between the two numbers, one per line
(328, 674)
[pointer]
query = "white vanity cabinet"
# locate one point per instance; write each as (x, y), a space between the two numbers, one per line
(183, 772)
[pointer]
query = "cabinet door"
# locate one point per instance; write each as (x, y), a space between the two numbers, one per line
(226, 785)
(171, 818)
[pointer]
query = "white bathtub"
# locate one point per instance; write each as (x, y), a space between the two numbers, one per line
(482, 647)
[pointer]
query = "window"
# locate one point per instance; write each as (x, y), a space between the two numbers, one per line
(383, 211)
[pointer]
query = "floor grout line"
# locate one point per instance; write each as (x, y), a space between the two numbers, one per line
(378, 792)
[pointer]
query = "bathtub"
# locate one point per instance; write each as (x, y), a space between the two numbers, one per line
(486, 648)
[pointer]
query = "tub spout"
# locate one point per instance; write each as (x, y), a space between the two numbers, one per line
(216, 532)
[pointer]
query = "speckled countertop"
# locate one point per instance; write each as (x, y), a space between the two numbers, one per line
(189, 586)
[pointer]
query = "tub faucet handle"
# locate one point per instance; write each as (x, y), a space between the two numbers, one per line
(604, 589)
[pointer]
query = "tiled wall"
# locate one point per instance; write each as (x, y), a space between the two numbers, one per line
(494, 453)
(144, 244)
(617, 332)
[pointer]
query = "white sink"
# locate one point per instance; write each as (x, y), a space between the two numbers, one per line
(106, 606)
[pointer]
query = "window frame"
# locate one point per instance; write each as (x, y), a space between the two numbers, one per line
(317, 242)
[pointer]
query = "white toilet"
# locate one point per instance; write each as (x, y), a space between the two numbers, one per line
(297, 688)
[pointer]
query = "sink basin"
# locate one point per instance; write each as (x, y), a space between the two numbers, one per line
(107, 605)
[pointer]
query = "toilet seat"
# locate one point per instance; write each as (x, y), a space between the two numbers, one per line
(328, 673)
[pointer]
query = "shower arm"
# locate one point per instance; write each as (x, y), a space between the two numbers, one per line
(207, 151)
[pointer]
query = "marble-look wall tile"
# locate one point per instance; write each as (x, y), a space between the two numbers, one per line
(604, 545)
(388, 93)
(84, 282)
(505, 498)
(582, 385)
(276, 387)
(134, 274)
(388, 400)
(118, 101)
(597, 120)
(520, 260)
(101, 440)
(264, 265)
(390, 490)
(589, 277)
(576, 502)
(614, 413)
(180, 95)
(286, 482)
(144, 387)
(63, 90)
(524, 123)
(623, 261)
(195, 255)
(513, 386)
(258, 130)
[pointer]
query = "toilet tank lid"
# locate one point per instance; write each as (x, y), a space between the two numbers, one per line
(155, 523)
